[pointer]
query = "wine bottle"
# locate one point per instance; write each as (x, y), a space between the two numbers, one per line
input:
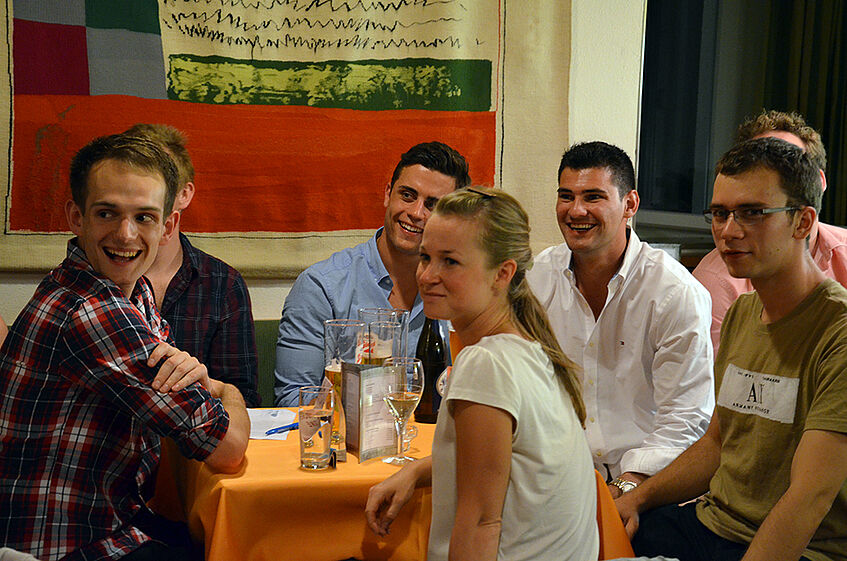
(431, 352)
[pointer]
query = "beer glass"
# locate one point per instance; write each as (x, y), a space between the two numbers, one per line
(370, 315)
(383, 341)
(343, 342)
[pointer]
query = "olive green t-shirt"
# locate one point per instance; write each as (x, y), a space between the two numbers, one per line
(774, 382)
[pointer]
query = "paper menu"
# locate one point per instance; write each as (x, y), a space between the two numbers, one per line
(370, 426)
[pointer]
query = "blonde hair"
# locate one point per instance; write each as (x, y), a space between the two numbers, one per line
(504, 234)
(174, 140)
(770, 121)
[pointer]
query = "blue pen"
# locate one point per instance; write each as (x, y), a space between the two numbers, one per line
(283, 428)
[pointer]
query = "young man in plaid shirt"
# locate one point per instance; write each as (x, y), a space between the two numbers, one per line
(204, 300)
(82, 406)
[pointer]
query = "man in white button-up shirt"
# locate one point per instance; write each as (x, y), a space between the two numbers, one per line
(632, 317)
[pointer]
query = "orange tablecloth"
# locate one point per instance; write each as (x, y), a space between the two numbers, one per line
(272, 509)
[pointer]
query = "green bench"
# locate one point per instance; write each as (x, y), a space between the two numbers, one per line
(266, 333)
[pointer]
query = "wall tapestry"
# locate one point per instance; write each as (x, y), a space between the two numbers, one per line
(296, 111)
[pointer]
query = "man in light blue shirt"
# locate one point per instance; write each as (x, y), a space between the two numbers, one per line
(377, 273)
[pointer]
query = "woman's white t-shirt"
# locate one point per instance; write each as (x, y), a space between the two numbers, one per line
(550, 507)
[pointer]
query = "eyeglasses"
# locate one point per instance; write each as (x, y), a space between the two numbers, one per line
(743, 216)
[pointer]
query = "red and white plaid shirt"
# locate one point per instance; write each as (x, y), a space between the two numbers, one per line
(79, 422)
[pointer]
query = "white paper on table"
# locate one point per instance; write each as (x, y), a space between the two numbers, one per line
(378, 425)
(370, 426)
(263, 420)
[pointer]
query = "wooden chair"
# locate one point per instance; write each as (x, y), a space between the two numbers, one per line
(614, 542)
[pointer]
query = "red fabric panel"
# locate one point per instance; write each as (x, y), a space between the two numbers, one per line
(259, 168)
(50, 58)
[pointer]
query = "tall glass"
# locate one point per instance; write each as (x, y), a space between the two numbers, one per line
(343, 342)
(383, 341)
(402, 395)
(370, 315)
(315, 420)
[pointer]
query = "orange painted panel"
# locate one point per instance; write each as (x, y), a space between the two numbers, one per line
(259, 168)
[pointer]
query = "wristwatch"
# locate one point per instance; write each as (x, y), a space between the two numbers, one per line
(623, 484)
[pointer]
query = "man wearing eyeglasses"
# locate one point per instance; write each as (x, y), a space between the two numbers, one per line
(630, 315)
(773, 463)
(828, 244)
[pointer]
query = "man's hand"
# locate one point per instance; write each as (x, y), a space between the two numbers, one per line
(229, 455)
(387, 498)
(683, 479)
(178, 371)
(628, 510)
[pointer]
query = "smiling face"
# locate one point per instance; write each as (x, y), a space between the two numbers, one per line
(591, 213)
(409, 203)
(758, 251)
(122, 224)
(454, 279)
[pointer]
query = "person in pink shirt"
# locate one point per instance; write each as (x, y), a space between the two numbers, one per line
(828, 244)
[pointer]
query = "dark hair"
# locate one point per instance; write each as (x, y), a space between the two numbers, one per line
(135, 151)
(799, 178)
(505, 235)
(769, 121)
(435, 156)
(174, 141)
(597, 154)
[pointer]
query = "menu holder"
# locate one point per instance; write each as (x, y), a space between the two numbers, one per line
(370, 426)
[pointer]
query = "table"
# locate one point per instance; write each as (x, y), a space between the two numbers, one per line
(272, 509)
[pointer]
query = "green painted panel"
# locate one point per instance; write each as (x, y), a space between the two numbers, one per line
(419, 83)
(135, 15)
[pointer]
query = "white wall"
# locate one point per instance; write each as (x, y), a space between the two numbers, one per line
(607, 45)
(266, 295)
(603, 98)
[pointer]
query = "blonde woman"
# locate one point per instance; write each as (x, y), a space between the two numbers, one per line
(511, 472)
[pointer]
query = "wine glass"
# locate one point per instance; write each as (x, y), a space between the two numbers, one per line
(409, 435)
(402, 395)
